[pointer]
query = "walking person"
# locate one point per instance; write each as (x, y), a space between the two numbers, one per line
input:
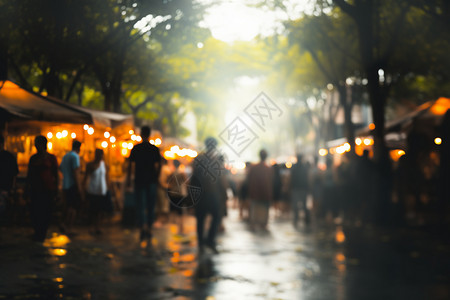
(42, 186)
(299, 189)
(70, 168)
(260, 185)
(146, 161)
(96, 183)
(206, 179)
(8, 173)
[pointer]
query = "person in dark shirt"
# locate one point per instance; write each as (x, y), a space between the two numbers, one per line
(146, 160)
(8, 173)
(42, 186)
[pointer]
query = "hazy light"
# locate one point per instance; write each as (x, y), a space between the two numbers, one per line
(49, 145)
(73, 135)
(106, 134)
(138, 138)
(90, 131)
(86, 127)
(152, 142)
(200, 45)
(49, 135)
(131, 131)
(158, 142)
(367, 142)
(133, 137)
(346, 147)
(358, 141)
(124, 152)
(130, 146)
(104, 144)
(65, 133)
(438, 141)
(371, 126)
(112, 139)
(58, 135)
(323, 152)
(288, 165)
(124, 145)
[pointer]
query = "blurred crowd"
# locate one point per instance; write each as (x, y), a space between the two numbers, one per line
(156, 191)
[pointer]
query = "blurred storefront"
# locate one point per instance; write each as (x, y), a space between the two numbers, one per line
(26, 114)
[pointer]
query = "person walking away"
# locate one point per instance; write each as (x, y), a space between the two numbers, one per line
(205, 178)
(96, 183)
(260, 192)
(42, 186)
(299, 189)
(162, 208)
(70, 168)
(177, 192)
(8, 173)
(145, 158)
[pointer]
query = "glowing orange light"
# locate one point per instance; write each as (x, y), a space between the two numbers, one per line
(112, 139)
(64, 133)
(104, 144)
(340, 257)
(367, 142)
(59, 135)
(49, 135)
(124, 152)
(73, 135)
(340, 236)
(49, 145)
(124, 145)
(358, 141)
(158, 142)
(371, 126)
(438, 141)
(131, 131)
(85, 126)
(90, 131)
(106, 134)
(288, 165)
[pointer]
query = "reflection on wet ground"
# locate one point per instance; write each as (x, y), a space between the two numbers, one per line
(312, 262)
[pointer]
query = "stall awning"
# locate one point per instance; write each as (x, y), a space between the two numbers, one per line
(25, 105)
(434, 110)
(18, 103)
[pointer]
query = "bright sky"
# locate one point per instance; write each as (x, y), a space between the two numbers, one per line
(233, 20)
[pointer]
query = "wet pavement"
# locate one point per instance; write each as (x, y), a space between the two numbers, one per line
(319, 261)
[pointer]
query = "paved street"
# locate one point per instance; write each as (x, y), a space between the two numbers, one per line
(315, 262)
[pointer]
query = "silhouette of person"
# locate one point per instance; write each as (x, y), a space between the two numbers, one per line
(70, 168)
(96, 179)
(299, 189)
(8, 173)
(177, 191)
(207, 168)
(260, 179)
(146, 160)
(42, 185)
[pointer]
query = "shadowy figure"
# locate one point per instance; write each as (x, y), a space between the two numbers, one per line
(8, 173)
(329, 188)
(363, 185)
(260, 185)
(299, 189)
(277, 189)
(146, 161)
(244, 205)
(70, 168)
(178, 193)
(207, 168)
(163, 208)
(96, 179)
(42, 186)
